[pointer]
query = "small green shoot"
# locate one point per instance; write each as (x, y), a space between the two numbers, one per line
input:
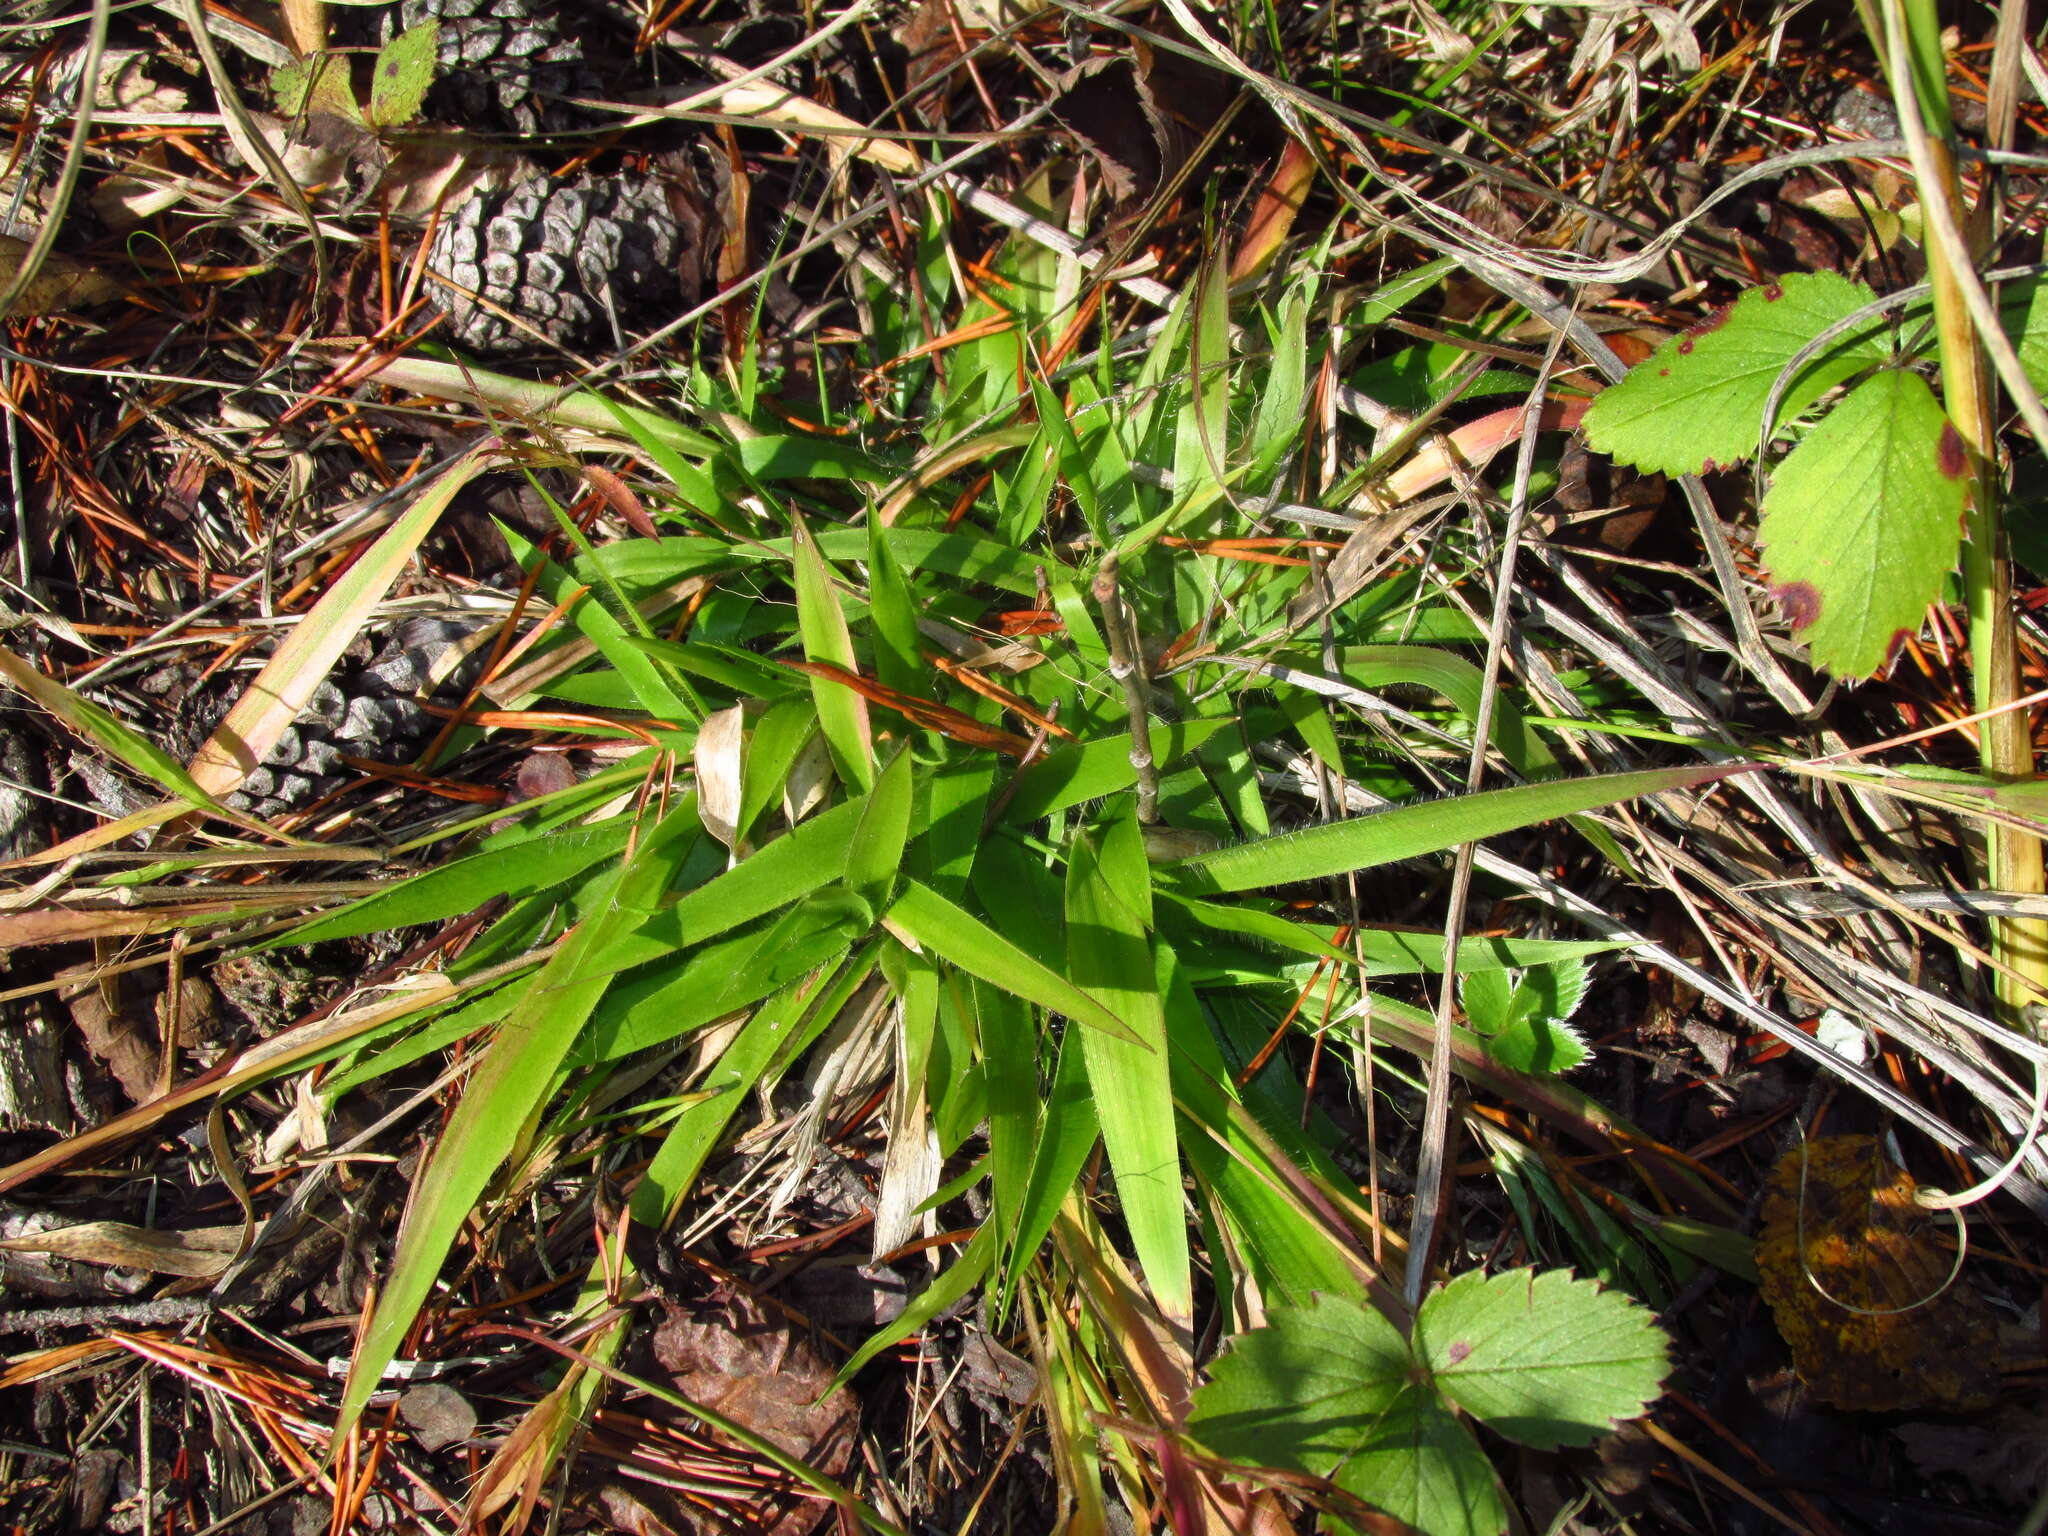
(320, 85)
(1525, 1018)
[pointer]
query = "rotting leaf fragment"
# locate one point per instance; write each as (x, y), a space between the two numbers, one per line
(1857, 1277)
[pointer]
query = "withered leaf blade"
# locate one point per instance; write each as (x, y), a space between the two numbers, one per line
(199, 1254)
(1856, 1275)
(61, 285)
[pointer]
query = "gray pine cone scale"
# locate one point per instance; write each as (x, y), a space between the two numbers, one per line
(564, 257)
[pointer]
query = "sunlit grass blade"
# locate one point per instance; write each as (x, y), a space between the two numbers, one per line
(842, 712)
(923, 918)
(1109, 952)
(1410, 831)
(499, 1102)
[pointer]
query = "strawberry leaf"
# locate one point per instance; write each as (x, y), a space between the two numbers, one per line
(1540, 1045)
(1541, 1357)
(1330, 1390)
(1861, 524)
(1699, 400)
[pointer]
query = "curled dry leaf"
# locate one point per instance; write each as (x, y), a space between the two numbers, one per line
(1857, 1276)
(720, 754)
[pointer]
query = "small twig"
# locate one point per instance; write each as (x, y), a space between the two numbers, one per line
(156, 1313)
(1127, 666)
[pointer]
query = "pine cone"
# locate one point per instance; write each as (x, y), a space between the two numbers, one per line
(562, 256)
(374, 712)
(501, 60)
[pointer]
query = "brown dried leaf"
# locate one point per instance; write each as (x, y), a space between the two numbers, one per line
(2004, 1457)
(201, 1253)
(62, 284)
(767, 1377)
(1857, 1281)
(124, 1044)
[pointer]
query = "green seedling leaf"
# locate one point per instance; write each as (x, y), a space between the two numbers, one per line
(1541, 1357)
(1861, 523)
(404, 70)
(1409, 831)
(1331, 1390)
(312, 86)
(1699, 400)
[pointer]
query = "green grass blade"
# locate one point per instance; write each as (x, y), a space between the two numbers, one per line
(841, 712)
(524, 869)
(1410, 831)
(1066, 1137)
(1109, 952)
(876, 853)
(689, 1142)
(107, 733)
(791, 867)
(926, 920)
(507, 1089)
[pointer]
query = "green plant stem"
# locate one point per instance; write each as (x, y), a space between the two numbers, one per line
(1126, 665)
(2005, 748)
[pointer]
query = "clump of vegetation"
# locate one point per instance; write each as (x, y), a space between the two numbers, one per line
(1065, 809)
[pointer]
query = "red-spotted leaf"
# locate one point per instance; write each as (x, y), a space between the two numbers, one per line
(1862, 521)
(1699, 400)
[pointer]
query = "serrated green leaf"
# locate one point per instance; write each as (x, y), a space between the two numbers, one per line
(1539, 1044)
(404, 70)
(1330, 1390)
(1861, 523)
(1541, 1357)
(318, 84)
(1700, 398)
(1557, 989)
(1488, 997)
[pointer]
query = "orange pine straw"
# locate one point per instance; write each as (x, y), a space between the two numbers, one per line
(968, 678)
(1252, 551)
(1258, 1062)
(921, 712)
(1028, 621)
(550, 720)
(974, 330)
